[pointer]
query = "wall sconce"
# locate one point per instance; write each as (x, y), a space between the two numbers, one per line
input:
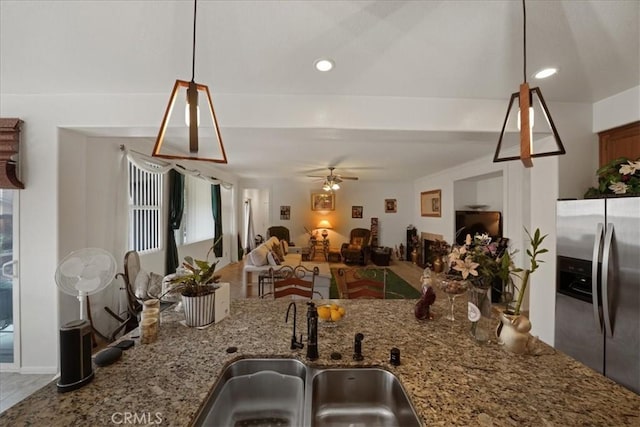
(177, 141)
(530, 104)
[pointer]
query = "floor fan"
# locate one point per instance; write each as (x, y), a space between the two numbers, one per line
(80, 274)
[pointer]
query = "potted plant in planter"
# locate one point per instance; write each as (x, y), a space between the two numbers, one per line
(513, 329)
(196, 282)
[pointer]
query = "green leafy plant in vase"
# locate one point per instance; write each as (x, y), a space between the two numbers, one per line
(196, 283)
(533, 252)
(513, 330)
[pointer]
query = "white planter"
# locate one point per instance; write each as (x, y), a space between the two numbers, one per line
(199, 311)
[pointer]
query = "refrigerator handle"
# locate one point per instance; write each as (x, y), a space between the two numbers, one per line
(594, 275)
(605, 279)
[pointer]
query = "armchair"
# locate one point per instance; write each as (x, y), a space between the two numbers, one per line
(281, 232)
(358, 250)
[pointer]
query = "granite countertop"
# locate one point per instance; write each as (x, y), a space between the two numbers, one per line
(450, 379)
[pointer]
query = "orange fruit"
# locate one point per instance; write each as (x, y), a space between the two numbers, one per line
(324, 312)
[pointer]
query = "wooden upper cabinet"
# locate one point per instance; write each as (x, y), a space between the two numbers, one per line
(623, 141)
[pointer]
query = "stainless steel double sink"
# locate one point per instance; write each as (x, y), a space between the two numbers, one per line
(286, 392)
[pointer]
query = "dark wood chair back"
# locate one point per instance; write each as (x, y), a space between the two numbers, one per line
(355, 283)
(291, 281)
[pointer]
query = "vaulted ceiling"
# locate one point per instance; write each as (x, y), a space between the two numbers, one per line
(401, 53)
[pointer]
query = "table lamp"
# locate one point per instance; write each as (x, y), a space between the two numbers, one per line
(325, 225)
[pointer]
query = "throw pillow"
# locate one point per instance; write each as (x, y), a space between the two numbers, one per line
(259, 255)
(141, 285)
(155, 285)
(272, 258)
(277, 250)
(271, 242)
(285, 247)
(358, 241)
(168, 294)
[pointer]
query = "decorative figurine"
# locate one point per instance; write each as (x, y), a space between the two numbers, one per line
(422, 308)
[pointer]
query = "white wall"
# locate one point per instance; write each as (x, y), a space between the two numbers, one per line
(617, 110)
(577, 168)
(369, 195)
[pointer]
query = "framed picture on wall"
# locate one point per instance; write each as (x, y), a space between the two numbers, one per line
(390, 205)
(323, 201)
(356, 211)
(285, 212)
(430, 203)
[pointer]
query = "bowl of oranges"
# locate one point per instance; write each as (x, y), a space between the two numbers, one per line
(330, 314)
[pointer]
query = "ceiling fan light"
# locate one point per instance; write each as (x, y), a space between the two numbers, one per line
(326, 186)
(335, 186)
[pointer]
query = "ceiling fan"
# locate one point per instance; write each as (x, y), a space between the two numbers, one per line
(332, 181)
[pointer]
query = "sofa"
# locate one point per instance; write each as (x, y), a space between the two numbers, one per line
(264, 256)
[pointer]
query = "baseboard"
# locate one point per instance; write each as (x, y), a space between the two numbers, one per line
(38, 370)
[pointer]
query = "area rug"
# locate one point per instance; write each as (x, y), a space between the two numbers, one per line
(397, 288)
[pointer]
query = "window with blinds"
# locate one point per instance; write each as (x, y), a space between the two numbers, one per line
(145, 209)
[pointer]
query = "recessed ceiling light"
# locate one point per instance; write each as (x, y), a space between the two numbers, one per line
(547, 72)
(323, 64)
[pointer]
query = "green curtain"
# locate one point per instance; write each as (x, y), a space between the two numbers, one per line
(176, 208)
(216, 209)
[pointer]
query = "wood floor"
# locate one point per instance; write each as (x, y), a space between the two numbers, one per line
(14, 386)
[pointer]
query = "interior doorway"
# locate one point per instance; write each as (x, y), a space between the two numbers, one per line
(8, 279)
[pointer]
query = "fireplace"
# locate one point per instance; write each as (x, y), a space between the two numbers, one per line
(426, 255)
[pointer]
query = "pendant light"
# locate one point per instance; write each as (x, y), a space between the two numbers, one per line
(530, 103)
(200, 139)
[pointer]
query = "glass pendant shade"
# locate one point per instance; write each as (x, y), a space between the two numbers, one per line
(185, 138)
(519, 134)
(522, 138)
(179, 137)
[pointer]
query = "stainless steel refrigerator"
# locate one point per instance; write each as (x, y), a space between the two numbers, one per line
(598, 286)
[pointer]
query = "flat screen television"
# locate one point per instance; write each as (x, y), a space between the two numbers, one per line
(474, 222)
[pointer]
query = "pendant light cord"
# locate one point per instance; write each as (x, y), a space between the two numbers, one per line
(524, 40)
(193, 55)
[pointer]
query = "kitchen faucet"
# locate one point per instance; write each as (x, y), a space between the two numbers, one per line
(295, 344)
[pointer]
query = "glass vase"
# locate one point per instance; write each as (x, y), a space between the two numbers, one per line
(479, 313)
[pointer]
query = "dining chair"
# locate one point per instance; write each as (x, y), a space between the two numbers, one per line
(288, 281)
(355, 283)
